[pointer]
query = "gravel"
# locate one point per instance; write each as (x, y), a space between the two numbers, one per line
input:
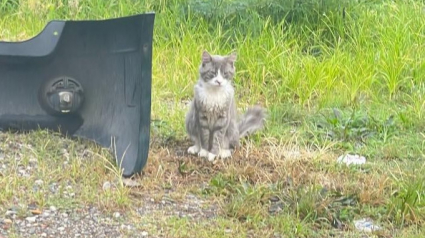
(88, 222)
(91, 222)
(28, 220)
(191, 207)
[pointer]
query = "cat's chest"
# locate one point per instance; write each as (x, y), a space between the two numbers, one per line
(214, 100)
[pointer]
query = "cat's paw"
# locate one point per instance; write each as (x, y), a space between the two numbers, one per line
(211, 157)
(193, 150)
(225, 154)
(203, 153)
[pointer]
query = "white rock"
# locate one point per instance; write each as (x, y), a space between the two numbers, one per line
(31, 219)
(117, 214)
(349, 159)
(106, 185)
(10, 212)
(130, 182)
(38, 182)
(144, 233)
(366, 225)
(53, 208)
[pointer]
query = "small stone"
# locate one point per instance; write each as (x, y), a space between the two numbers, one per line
(33, 160)
(36, 212)
(106, 185)
(349, 159)
(53, 208)
(43, 235)
(366, 225)
(1, 156)
(144, 233)
(64, 214)
(64, 151)
(31, 219)
(61, 228)
(130, 182)
(6, 221)
(117, 214)
(10, 212)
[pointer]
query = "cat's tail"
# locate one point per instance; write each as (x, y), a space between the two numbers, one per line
(252, 121)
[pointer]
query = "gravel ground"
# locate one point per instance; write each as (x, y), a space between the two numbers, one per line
(53, 223)
(26, 220)
(90, 222)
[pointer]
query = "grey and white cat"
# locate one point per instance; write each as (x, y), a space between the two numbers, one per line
(212, 122)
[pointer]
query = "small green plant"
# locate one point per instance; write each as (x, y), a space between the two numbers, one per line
(354, 128)
(407, 202)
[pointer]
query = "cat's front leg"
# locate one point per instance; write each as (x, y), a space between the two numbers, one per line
(219, 145)
(192, 128)
(205, 139)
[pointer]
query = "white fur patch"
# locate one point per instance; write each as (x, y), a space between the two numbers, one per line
(225, 154)
(193, 150)
(214, 97)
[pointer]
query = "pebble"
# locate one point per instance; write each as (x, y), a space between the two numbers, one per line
(144, 233)
(117, 214)
(38, 182)
(31, 219)
(130, 182)
(6, 221)
(10, 212)
(53, 208)
(33, 160)
(106, 185)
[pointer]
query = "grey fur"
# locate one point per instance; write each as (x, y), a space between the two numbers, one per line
(211, 122)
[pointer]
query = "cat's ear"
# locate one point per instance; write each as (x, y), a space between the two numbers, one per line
(232, 58)
(206, 57)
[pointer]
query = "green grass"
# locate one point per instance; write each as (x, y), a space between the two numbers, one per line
(333, 82)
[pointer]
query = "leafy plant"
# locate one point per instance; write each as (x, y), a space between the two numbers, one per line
(354, 127)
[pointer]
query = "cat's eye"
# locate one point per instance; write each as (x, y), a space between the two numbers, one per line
(212, 74)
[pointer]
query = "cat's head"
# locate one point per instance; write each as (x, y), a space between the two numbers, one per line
(217, 70)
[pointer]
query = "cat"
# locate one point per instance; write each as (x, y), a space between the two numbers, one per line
(211, 121)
